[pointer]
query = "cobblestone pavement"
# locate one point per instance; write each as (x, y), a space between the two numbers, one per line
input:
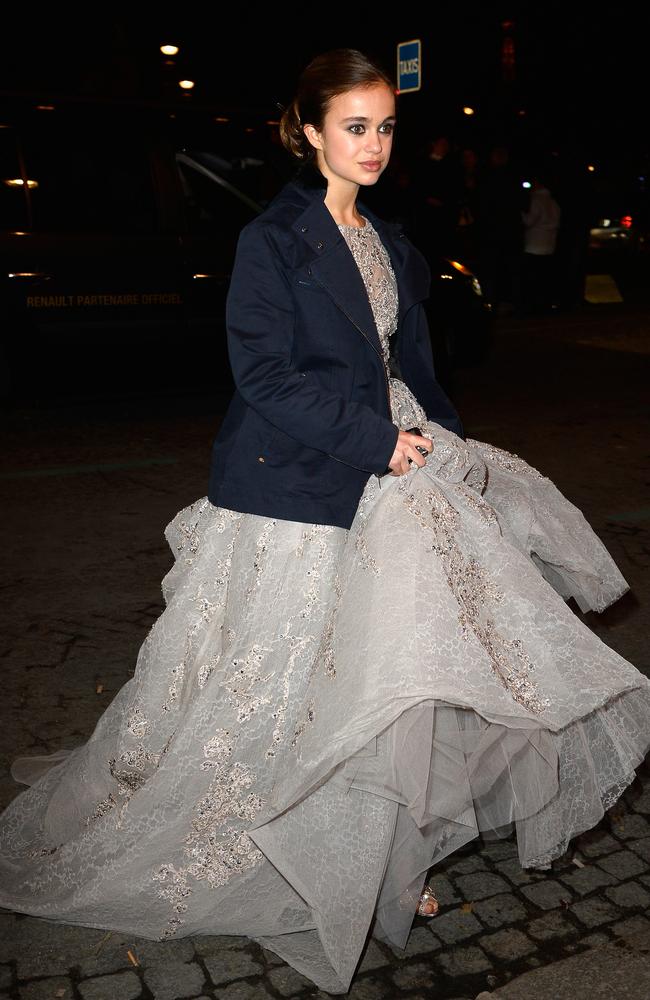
(91, 489)
(495, 922)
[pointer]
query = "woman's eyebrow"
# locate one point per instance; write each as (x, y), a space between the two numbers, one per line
(361, 118)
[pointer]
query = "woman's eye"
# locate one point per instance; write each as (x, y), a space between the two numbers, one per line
(384, 129)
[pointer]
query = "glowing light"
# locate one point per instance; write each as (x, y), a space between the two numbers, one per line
(626, 222)
(591, 168)
(169, 50)
(468, 111)
(18, 182)
(186, 84)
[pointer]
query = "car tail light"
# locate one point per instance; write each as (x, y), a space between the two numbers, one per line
(626, 221)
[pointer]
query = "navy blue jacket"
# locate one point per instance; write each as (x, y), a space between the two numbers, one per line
(310, 421)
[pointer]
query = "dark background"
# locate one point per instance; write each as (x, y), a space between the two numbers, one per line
(579, 72)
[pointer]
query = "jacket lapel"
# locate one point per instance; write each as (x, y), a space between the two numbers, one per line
(410, 266)
(331, 263)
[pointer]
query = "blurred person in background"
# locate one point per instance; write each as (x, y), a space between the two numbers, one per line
(541, 225)
(438, 187)
(466, 223)
(499, 231)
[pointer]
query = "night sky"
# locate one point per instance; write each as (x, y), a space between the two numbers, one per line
(580, 75)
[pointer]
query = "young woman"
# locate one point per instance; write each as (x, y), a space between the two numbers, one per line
(366, 657)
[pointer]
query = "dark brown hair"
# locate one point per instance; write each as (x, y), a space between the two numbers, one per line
(328, 75)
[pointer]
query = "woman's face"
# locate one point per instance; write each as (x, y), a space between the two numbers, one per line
(357, 136)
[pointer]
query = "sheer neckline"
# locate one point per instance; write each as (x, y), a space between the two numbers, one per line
(345, 225)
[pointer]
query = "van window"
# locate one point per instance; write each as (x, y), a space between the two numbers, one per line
(90, 182)
(211, 207)
(13, 202)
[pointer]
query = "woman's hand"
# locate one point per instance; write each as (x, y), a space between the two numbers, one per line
(405, 450)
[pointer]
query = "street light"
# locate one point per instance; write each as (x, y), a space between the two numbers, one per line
(16, 182)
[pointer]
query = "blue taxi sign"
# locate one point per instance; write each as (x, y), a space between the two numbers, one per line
(409, 66)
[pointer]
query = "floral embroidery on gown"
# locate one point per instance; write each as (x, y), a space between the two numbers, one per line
(320, 715)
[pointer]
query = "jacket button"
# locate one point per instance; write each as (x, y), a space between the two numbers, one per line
(308, 270)
(261, 458)
(303, 229)
(319, 246)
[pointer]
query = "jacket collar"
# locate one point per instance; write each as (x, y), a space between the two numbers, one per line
(333, 266)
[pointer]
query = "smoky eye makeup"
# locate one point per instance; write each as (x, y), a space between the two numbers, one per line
(390, 125)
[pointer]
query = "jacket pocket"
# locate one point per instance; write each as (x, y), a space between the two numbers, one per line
(281, 448)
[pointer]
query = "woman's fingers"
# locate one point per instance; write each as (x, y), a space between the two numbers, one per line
(406, 452)
(422, 442)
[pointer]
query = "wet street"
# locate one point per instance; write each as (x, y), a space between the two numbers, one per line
(89, 487)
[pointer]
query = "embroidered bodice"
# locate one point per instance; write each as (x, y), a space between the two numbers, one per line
(376, 269)
(378, 276)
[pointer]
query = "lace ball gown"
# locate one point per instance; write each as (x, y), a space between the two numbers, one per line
(321, 714)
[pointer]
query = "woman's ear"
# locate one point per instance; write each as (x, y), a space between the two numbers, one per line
(313, 136)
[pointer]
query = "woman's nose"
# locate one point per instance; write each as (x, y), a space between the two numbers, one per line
(374, 143)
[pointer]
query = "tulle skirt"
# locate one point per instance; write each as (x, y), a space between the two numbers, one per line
(320, 715)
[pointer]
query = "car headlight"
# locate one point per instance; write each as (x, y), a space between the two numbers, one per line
(465, 271)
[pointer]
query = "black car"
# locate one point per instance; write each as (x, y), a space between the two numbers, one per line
(120, 223)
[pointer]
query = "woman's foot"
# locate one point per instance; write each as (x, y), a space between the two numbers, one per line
(428, 905)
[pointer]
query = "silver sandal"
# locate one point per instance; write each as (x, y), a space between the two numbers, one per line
(427, 899)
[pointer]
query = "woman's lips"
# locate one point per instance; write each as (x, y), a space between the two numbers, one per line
(371, 164)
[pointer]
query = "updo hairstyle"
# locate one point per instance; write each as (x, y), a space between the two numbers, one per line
(328, 75)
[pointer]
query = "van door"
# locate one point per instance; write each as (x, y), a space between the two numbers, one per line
(215, 213)
(94, 274)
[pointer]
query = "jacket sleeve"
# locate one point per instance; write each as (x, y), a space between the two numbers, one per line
(260, 325)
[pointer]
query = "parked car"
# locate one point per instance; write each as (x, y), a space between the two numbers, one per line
(620, 216)
(119, 228)
(614, 231)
